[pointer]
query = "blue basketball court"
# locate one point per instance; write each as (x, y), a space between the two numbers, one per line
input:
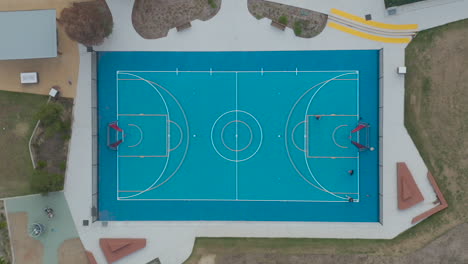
(238, 136)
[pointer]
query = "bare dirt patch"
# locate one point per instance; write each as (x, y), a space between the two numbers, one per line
(21, 129)
(207, 259)
(153, 19)
(27, 249)
(72, 252)
(305, 23)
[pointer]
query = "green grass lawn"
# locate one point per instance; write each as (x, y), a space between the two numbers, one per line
(436, 116)
(17, 121)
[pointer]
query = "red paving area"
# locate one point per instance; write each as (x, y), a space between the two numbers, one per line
(443, 203)
(117, 248)
(408, 191)
(91, 258)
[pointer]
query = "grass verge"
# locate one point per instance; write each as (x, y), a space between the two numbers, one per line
(17, 121)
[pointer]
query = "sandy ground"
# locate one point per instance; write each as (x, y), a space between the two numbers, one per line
(60, 71)
(26, 249)
(72, 252)
(154, 18)
(450, 248)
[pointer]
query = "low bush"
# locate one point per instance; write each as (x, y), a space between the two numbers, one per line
(297, 28)
(3, 225)
(3, 261)
(283, 20)
(44, 182)
(41, 164)
(212, 3)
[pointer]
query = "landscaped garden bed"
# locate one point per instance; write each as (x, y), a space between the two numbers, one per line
(50, 145)
(305, 23)
(153, 19)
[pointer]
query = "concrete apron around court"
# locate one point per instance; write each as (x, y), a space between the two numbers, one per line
(234, 29)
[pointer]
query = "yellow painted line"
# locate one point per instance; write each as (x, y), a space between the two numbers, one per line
(373, 23)
(367, 35)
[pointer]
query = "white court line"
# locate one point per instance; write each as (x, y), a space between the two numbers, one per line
(237, 145)
(117, 117)
(359, 155)
(295, 71)
(261, 71)
(305, 117)
(241, 200)
(167, 118)
(333, 136)
(258, 124)
(141, 136)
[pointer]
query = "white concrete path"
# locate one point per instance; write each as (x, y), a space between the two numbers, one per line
(428, 13)
(234, 29)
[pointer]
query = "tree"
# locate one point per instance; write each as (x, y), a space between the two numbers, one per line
(89, 23)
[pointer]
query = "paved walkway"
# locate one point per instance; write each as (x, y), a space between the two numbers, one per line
(235, 29)
(428, 13)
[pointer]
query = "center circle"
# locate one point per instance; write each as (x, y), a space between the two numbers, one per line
(236, 135)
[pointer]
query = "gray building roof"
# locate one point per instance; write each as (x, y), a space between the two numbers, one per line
(28, 34)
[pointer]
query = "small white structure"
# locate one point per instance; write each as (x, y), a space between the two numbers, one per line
(29, 77)
(28, 34)
(53, 92)
(401, 70)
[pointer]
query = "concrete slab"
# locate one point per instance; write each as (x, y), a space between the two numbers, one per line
(234, 29)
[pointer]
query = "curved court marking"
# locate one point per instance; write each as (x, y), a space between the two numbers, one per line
(305, 116)
(286, 137)
(188, 133)
(292, 136)
(333, 136)
(237, 111)
(181, 136)
(286, 133)
(168, 154)
(250, 131)
(155, 184)
(141, 136)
